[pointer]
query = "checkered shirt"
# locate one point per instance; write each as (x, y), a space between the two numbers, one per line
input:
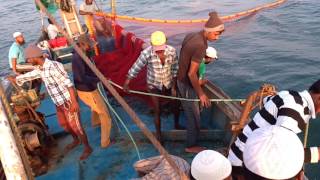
(158, 75)
(55, 78)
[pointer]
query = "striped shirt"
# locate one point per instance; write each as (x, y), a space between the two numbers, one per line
(158, 75)
(158, 168)
(289, 109)
(55, 78)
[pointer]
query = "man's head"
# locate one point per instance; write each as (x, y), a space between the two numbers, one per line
(33, 55)
(314, 91)
(18, 36)
(158, 42)
(89, 2)
(213, 27)
(273, 152)
(85, 43)
(211, 55)
(209, 164)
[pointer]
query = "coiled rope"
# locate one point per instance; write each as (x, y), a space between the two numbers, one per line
(172, 97)
(224, 18)
(119, 119)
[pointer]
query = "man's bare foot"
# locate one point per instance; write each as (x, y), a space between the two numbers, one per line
(194, 149)
(86, 153)
(70, 146)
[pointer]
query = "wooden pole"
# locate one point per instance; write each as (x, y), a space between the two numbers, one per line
(116, 95)
(113, 17)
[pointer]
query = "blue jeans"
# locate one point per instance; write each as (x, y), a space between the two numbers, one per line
(106, 44)
(192, 112)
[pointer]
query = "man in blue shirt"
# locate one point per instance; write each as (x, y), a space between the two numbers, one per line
(16, 54)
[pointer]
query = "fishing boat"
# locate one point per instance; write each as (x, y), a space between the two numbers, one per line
(27, 131)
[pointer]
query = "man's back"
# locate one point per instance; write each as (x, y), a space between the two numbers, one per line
(193, 48)
(289, 109)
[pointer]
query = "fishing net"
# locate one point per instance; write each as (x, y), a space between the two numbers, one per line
(116, 64)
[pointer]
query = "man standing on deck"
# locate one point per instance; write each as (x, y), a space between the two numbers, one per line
(289, 109)
(192, 52)
(61, 91)
(16, 54)
(88, 8)
(162, 67)
(85, 82)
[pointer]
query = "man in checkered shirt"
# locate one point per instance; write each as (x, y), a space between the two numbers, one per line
(61, 91)
(162, 68)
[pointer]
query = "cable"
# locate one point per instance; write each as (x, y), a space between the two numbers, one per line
(120, 120)
(175, 98)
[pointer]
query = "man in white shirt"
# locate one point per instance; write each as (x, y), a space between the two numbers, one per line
(88, 8)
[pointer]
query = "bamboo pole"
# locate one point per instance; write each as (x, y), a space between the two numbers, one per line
(116, 95)
(113, 17)
(113, 8)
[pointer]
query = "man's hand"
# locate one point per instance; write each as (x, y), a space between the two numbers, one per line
(126, 85)
(203, 81)
(204, 101)
(74, 107)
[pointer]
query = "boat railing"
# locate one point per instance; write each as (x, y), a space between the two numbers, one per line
(13, 155)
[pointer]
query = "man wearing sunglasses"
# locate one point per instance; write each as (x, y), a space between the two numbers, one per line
(192, 52)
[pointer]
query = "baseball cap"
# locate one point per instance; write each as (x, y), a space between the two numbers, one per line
(158, 41)
(211, 52)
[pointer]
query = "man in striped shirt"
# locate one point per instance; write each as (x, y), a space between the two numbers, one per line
(289, 109)
(162, 68)
(62, 93)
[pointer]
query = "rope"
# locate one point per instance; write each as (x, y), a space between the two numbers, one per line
(175, 98)
(306, 133)
(120, 120)
(224, 18)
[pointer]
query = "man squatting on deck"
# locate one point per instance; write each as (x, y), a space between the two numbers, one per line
(62, 93)
(16, 54)
(17, 59)
(288, 109)
(193, 51)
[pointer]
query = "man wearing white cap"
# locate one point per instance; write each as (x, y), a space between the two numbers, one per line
(210, 165)
(289, 109)
(273, 152)
(193, 50)
(16, 54)
(162, 67)
(211, 55)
